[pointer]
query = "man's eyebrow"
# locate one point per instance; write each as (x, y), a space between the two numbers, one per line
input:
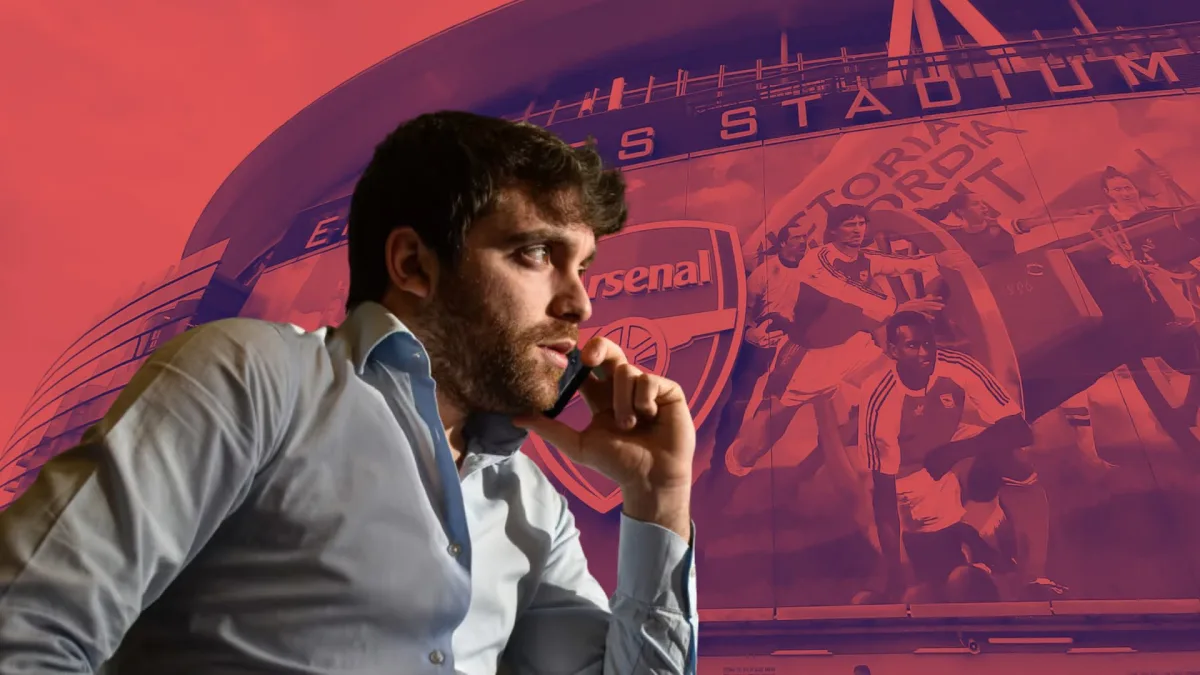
(535, 236)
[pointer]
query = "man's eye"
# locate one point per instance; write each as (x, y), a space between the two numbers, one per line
(537, 254)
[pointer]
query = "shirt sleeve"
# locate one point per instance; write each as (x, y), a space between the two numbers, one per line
(650, 625)
(108, 524)
(890, 265)
(982, 390)
(879, 427)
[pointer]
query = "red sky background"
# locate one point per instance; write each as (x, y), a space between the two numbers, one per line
(121, 119)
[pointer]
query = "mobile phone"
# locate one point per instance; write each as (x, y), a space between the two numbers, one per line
(576, 375)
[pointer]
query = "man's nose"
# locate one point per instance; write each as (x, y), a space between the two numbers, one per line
(572, 302)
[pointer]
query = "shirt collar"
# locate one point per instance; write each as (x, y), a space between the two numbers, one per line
(368, 326)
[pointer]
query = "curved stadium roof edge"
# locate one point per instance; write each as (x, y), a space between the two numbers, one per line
(331, 138)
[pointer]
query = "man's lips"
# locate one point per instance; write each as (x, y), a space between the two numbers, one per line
(560, 346)
(557, 352)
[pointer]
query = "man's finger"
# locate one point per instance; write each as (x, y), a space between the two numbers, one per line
(602, 354)
(645, 396)
(625, 379)
(567, 440)
(597, 392)
(604, 357)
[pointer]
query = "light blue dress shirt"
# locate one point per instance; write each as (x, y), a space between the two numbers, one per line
(264, 499)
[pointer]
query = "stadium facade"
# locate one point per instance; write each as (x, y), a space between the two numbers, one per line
(737, 123)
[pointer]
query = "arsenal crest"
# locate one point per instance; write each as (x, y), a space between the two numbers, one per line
(673, 296)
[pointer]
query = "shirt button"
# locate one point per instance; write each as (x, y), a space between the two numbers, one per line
(436, 658)
(454, 549)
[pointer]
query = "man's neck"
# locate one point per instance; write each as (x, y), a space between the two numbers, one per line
(975, 227)
(788, 261)
(914, 382)
(452, 416)
(847, 250)
(453, 421)
(1126, 210)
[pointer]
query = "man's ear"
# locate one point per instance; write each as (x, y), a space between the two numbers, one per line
(413, 268)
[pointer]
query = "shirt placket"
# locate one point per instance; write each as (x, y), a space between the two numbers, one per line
(453, 509)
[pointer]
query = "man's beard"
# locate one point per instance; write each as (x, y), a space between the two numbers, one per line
(481, 360)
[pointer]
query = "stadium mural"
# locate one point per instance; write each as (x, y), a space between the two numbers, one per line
(999, 351)
(946, 360)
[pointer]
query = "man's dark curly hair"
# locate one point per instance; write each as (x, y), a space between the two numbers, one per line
(441, 172)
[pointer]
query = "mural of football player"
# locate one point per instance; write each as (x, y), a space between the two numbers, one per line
(1126, 203)
(830, 342)
(979, 229)
(770, 298)
(1137, 262)
(988, 237)
(933, 415)
(1162, 260)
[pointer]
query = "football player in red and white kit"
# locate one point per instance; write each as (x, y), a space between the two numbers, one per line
(920, 422)
(770, 299)
(838, 305)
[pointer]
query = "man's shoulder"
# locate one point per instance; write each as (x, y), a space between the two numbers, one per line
(879, 385)
(255, 334)
(758, 276)
(880, 393)
(962, 368)
(243, 329)
(816, 260)
(244, 342)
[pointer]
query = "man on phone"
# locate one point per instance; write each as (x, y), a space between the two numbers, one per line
(262, 498)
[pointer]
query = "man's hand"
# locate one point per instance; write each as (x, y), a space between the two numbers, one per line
(641, 436)
(774, 321)
(953, 258)
(770, 326)
(939, 462)
(926, 305)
